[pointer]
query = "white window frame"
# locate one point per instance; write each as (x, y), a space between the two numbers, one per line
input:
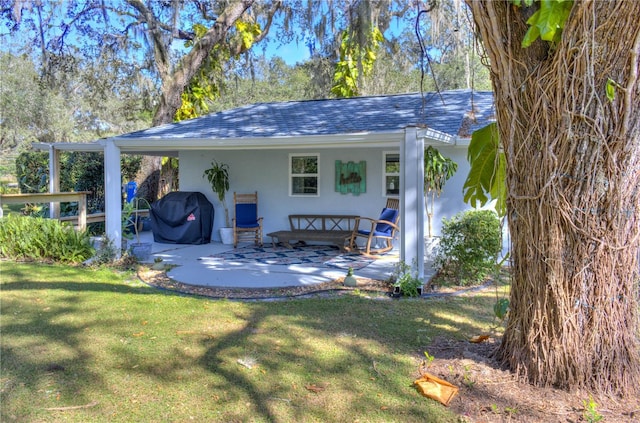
(292, 174)
(385, 193)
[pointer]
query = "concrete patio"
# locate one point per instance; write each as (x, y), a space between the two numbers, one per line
(194, 266)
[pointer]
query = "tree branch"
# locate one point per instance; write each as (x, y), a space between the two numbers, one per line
(173, 85)
(160, 51)
(239, 49)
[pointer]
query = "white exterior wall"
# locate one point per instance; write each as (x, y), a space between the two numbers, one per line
(267, 171)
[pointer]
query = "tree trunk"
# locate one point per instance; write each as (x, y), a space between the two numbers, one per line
(573, 178)
(175, 80)
(173, 85)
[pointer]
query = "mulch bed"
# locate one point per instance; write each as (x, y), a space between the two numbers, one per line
(159, 279)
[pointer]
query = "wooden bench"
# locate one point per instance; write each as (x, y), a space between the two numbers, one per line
(332, 228)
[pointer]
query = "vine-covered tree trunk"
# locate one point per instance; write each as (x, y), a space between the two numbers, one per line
(573, 181)
(174, 80)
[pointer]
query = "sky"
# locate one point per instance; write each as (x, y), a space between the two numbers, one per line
(291, 53)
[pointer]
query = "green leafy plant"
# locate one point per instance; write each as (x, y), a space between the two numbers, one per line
(611, 89)
(511, 410)
(437, 170)
(405, 280)
(469, 247)
(353, 58)
(32, 171)
(466, 377)
(487, 176)
(136, 205)
(590, 412)
(547, 22)
(127, 220)
(500, 308)
(428, 358)
(218, 177)
(107, 253)
(35, 238)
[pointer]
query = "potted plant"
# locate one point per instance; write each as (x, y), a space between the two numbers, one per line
(218, 177)
(140, 250)
(405, 283)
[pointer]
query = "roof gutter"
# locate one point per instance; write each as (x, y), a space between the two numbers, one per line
(171, 146)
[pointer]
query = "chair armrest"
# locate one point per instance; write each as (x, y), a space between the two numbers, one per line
(375, 222)
(393, 225)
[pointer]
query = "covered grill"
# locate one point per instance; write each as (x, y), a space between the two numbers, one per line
(182, 218)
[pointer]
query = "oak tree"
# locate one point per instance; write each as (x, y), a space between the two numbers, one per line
(567, 98)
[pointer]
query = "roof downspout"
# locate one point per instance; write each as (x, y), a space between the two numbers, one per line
(412, 200)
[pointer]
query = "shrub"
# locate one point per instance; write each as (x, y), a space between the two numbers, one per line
(469, 247)
(36, 238)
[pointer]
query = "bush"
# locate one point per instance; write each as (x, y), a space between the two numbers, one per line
(470, 244)
(36, 238)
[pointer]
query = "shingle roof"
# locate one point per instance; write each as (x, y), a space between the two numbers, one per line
(457, 113)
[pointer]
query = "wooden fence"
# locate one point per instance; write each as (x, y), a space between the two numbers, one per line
(56, 197)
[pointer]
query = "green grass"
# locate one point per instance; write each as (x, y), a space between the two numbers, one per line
(119, 351)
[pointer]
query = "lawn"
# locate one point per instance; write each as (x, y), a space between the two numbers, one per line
(81, 344)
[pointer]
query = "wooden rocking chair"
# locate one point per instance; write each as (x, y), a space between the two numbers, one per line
(383, 228)
(247, 226)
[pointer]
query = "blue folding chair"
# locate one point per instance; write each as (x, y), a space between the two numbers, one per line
(247, 226)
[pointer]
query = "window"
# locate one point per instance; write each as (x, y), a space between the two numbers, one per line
(304, 175)
(391, 174)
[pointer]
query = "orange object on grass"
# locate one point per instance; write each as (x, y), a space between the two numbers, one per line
(435, 388)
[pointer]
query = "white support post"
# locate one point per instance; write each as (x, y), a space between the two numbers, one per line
(54, 180)
(412, 200)
(113, 194)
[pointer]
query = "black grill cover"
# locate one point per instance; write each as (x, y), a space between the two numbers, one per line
(182, 218)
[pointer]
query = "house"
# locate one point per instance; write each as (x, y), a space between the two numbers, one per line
(383, 137)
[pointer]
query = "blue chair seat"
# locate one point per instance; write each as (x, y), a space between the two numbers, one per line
(246, 224)
(375, 233)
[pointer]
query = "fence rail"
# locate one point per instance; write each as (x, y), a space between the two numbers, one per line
(51, 197)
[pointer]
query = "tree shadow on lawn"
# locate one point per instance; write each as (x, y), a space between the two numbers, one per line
(39, 349)
(116, 288)
(329, 360)
(354, 365)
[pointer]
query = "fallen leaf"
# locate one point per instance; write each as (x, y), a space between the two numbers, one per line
(479, 339)
(139, 334)
(315, 388)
